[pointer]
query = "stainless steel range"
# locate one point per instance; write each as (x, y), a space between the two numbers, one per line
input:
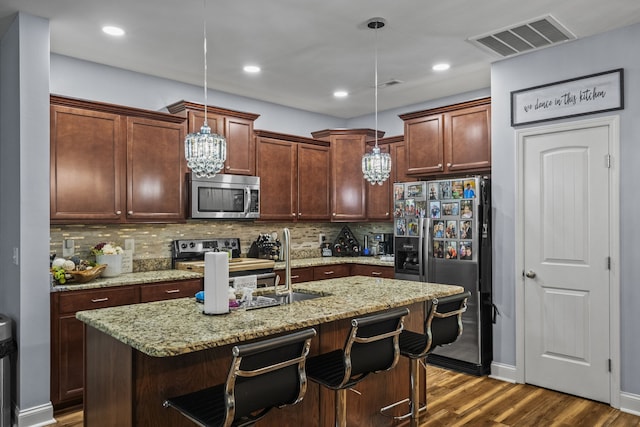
(188, 254)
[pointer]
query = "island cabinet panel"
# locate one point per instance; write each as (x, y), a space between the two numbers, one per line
(372, 270)
(348, 191)
(115, 164)
(140, 383)
(170, 290)
(448, 140)
(235, 126)
(155, 165)
(294, 177)
(67, 338)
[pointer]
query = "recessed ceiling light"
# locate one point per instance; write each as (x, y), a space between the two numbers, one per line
(113, 31)
(251, 69)
(441, 67)
(341, 94)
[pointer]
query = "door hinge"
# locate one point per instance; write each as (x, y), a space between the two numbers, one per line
(607, 160)
(608, 263)
(609, 363)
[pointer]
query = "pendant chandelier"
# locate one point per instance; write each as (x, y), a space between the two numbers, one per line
(204, 151)
(376, 166)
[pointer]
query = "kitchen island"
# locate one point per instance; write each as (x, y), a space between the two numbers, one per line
(138, 355)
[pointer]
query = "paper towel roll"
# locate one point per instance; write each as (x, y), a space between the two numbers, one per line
(216, 283)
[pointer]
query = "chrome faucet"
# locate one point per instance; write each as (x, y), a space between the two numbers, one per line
(288, 289)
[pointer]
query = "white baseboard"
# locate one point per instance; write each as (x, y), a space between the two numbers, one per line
(37, 416)
(503, 372)
(630, 403)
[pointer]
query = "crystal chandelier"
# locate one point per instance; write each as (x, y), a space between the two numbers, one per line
(376, 166)
(204, 151)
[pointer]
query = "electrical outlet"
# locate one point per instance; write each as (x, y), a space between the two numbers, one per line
(129, 245)
(68, 248)
(321, 239)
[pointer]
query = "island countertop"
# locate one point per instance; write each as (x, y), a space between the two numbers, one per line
(175, 327)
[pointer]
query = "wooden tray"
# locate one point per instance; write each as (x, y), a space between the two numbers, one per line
(87, 275)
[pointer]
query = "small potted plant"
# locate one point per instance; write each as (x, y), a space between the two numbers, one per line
(110, 254)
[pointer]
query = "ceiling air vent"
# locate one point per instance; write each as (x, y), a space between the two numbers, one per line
(528, 36)
(391, 82)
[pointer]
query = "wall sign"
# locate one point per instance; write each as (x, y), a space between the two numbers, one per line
(590, 94)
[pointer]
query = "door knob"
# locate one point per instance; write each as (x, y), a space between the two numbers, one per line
(530, 274)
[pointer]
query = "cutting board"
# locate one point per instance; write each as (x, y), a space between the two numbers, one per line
(236, 264)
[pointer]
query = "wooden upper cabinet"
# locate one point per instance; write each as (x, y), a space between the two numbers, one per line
(379, 197)
(348, 191)
(448, 140)
(294, 177)
(399, 165)
(235, 126)
(86, 165)
(155, 163)
(114, 164)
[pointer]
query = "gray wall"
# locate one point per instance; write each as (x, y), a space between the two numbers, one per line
(24, 211)
(616, 49)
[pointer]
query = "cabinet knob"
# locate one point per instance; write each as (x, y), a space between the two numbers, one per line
(130, 212)
(293, 214)
(228, 167)
(334, 214)
(448, 165)
(299, 213)
(118, 212)
(439, 165)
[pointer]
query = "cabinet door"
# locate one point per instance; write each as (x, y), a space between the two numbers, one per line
(330, 271)
(87, 166)
(170, 290)
(241, 147)
(424, 145)
(399, 166)
(348, 184)
(298, 275)
(278, 179)
(155, 170)
(468, 139)
(314, 168)
(69, 352)
(379, 196)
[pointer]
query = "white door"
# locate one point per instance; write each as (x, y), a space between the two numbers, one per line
(566, 260)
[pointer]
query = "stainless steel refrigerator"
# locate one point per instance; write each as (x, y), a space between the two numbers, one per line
(442, 234)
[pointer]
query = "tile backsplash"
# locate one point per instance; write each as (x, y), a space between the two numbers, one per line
(152, 242)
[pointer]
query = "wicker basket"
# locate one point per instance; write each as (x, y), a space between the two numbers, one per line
(87, 275)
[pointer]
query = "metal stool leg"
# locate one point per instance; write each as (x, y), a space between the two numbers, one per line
(414, 395)
(341, 407)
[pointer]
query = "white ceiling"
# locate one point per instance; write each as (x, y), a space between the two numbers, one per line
(309, 48)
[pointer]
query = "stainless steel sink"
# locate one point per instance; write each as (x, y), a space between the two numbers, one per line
(295, 296)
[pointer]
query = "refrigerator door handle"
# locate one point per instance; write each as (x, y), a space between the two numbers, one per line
(423, 248)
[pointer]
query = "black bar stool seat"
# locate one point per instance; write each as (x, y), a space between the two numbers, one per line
(371, 346)
(263, 375)
(442, 326)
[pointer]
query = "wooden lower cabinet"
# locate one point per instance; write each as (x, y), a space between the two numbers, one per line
(298, 275)
(330, 271)
(67, 332)
(307, 274)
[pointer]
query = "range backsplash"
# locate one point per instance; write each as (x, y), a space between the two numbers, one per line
(153, 241)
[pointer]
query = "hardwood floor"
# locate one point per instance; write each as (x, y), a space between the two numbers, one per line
(456, 399)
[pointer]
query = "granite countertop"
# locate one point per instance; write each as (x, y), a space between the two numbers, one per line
(174, 327)
(168, 275)
(312, 262)
(129, 279)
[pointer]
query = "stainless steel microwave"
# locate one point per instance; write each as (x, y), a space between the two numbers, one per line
(225, 197)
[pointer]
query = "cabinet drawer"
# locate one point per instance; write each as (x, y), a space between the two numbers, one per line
(298, 275)
(330, 271)
(372, 270)
(72, 301)
(170, 290)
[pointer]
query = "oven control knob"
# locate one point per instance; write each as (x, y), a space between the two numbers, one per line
(226, 243)
(192, 244)
(183, 246)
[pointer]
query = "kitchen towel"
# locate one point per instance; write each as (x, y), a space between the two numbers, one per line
(216, 283)
(250, 281)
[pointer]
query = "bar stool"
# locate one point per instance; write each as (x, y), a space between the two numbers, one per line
(263, 375)
(443, 325)
(372, 346)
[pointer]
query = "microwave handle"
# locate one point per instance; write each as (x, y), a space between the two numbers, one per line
(247, 200)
